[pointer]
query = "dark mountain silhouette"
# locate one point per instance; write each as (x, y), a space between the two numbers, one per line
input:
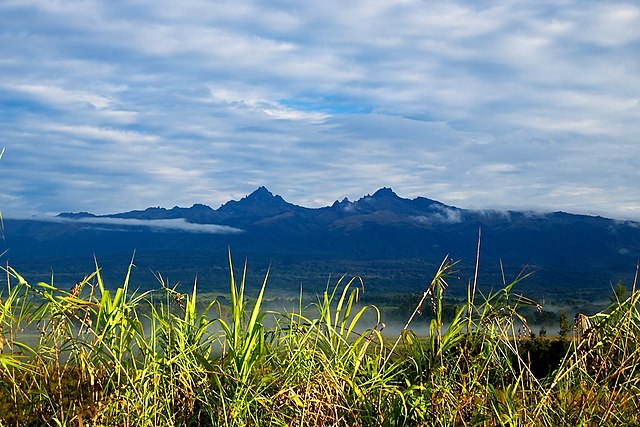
(388, 239)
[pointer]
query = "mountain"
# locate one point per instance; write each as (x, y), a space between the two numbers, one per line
(390, 240)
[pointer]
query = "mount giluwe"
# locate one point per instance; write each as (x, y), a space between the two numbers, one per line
(389, 240)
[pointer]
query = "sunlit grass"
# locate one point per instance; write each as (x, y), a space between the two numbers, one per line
(95, 355)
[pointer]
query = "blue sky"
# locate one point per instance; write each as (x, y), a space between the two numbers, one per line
(108, 106)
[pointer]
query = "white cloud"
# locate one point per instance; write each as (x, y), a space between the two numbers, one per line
(159, 224)
(444, 215)
(112, 106)
(56, 95)
(102, 134)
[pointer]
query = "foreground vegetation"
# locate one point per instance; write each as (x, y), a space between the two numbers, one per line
(91, 356)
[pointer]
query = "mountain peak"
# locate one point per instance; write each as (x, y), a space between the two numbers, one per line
(261, 191)
(341, 203)
(262, 195)
(385, 192)
(199, 206)
(261, 202)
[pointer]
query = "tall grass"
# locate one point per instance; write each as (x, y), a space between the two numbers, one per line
(95, 355)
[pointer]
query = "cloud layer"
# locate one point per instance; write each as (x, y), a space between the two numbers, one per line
(158, 224)
(112, 106)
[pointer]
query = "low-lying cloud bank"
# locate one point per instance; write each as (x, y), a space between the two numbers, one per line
(179, 224)
(444, 216)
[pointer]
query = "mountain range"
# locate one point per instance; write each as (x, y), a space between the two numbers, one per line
(393, 242)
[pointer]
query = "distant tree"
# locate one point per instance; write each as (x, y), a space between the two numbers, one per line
(564, 325)
(620, 293)
(543, 332)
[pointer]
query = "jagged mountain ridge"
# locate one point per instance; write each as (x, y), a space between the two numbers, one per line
(263, 207)
(386, 225)
(381, 229)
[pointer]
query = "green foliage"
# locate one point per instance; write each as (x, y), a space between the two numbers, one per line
(94, 355)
